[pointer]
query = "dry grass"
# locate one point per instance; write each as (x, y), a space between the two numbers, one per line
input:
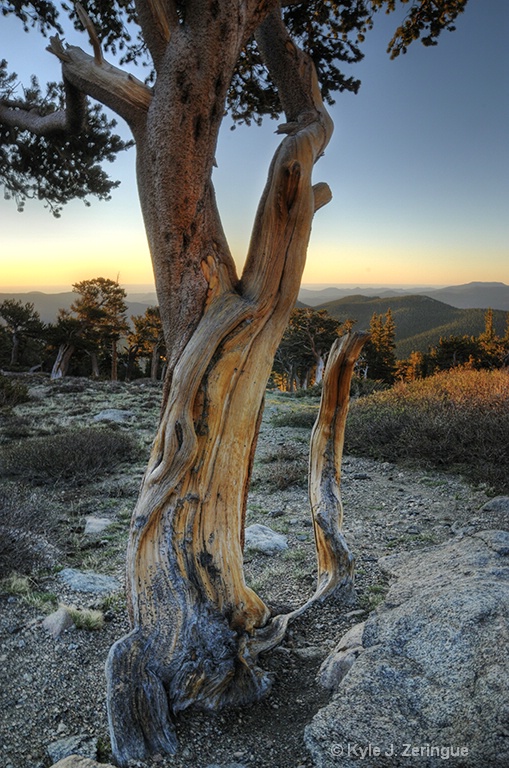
(86, 618)
(456, 420)
(303, 418)
(282, 468)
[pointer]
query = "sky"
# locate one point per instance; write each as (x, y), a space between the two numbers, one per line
(418, 166)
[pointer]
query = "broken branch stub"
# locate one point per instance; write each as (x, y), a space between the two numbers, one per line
(335, 561)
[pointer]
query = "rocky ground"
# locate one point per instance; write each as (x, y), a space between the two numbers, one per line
(52, 689)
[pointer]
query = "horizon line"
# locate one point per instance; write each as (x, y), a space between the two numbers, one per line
(150, 287)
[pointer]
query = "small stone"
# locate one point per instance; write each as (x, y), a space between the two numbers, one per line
(414, 530)
(82, 745)
(263, 539)
(58, 621)
(227, 765)
(352, 614)
(76, 761)
(88, 581)
(310, 653)
(116, 415)
(95, 525)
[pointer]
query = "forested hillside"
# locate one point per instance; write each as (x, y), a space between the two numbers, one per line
(420, 321)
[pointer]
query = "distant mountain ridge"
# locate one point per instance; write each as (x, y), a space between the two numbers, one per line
(473, 295)
(476, 295)
(48, 304)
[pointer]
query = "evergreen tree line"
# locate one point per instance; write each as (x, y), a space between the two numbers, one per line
(95, 338)
(302, 354)
(92, 338)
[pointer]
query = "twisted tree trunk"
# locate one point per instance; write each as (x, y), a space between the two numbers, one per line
(335, 561)
(192, 613)
(197, 628)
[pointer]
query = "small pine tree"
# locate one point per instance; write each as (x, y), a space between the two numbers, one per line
(491, 346)
(101, 309)
(379, 352)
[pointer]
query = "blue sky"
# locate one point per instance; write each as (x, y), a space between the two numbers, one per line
(418, 166)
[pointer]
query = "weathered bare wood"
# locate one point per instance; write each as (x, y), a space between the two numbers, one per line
(92, 33)
(335, 561)
(125, 94)
(197, 627)
(61, 364)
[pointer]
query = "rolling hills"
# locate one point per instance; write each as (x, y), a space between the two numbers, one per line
(420, 320)
(466, 296)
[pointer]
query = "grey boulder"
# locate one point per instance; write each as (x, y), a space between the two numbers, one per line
(430, 686)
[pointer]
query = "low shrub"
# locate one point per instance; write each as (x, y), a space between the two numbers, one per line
(73, 457)
(300, 418)
(456, 420)
(14, 427)
(361, 387)
(12, 392)
(30, 531)
(282, 468)
(315, 391)
(71, 385)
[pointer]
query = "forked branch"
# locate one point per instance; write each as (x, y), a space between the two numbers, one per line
(95, 77)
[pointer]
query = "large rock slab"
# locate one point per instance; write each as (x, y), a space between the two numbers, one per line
(430, 685)
(497, 504)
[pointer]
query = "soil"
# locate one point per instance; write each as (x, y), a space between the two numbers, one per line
(54, 688)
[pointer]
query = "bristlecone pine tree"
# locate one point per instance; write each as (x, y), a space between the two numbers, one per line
(197, 629)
